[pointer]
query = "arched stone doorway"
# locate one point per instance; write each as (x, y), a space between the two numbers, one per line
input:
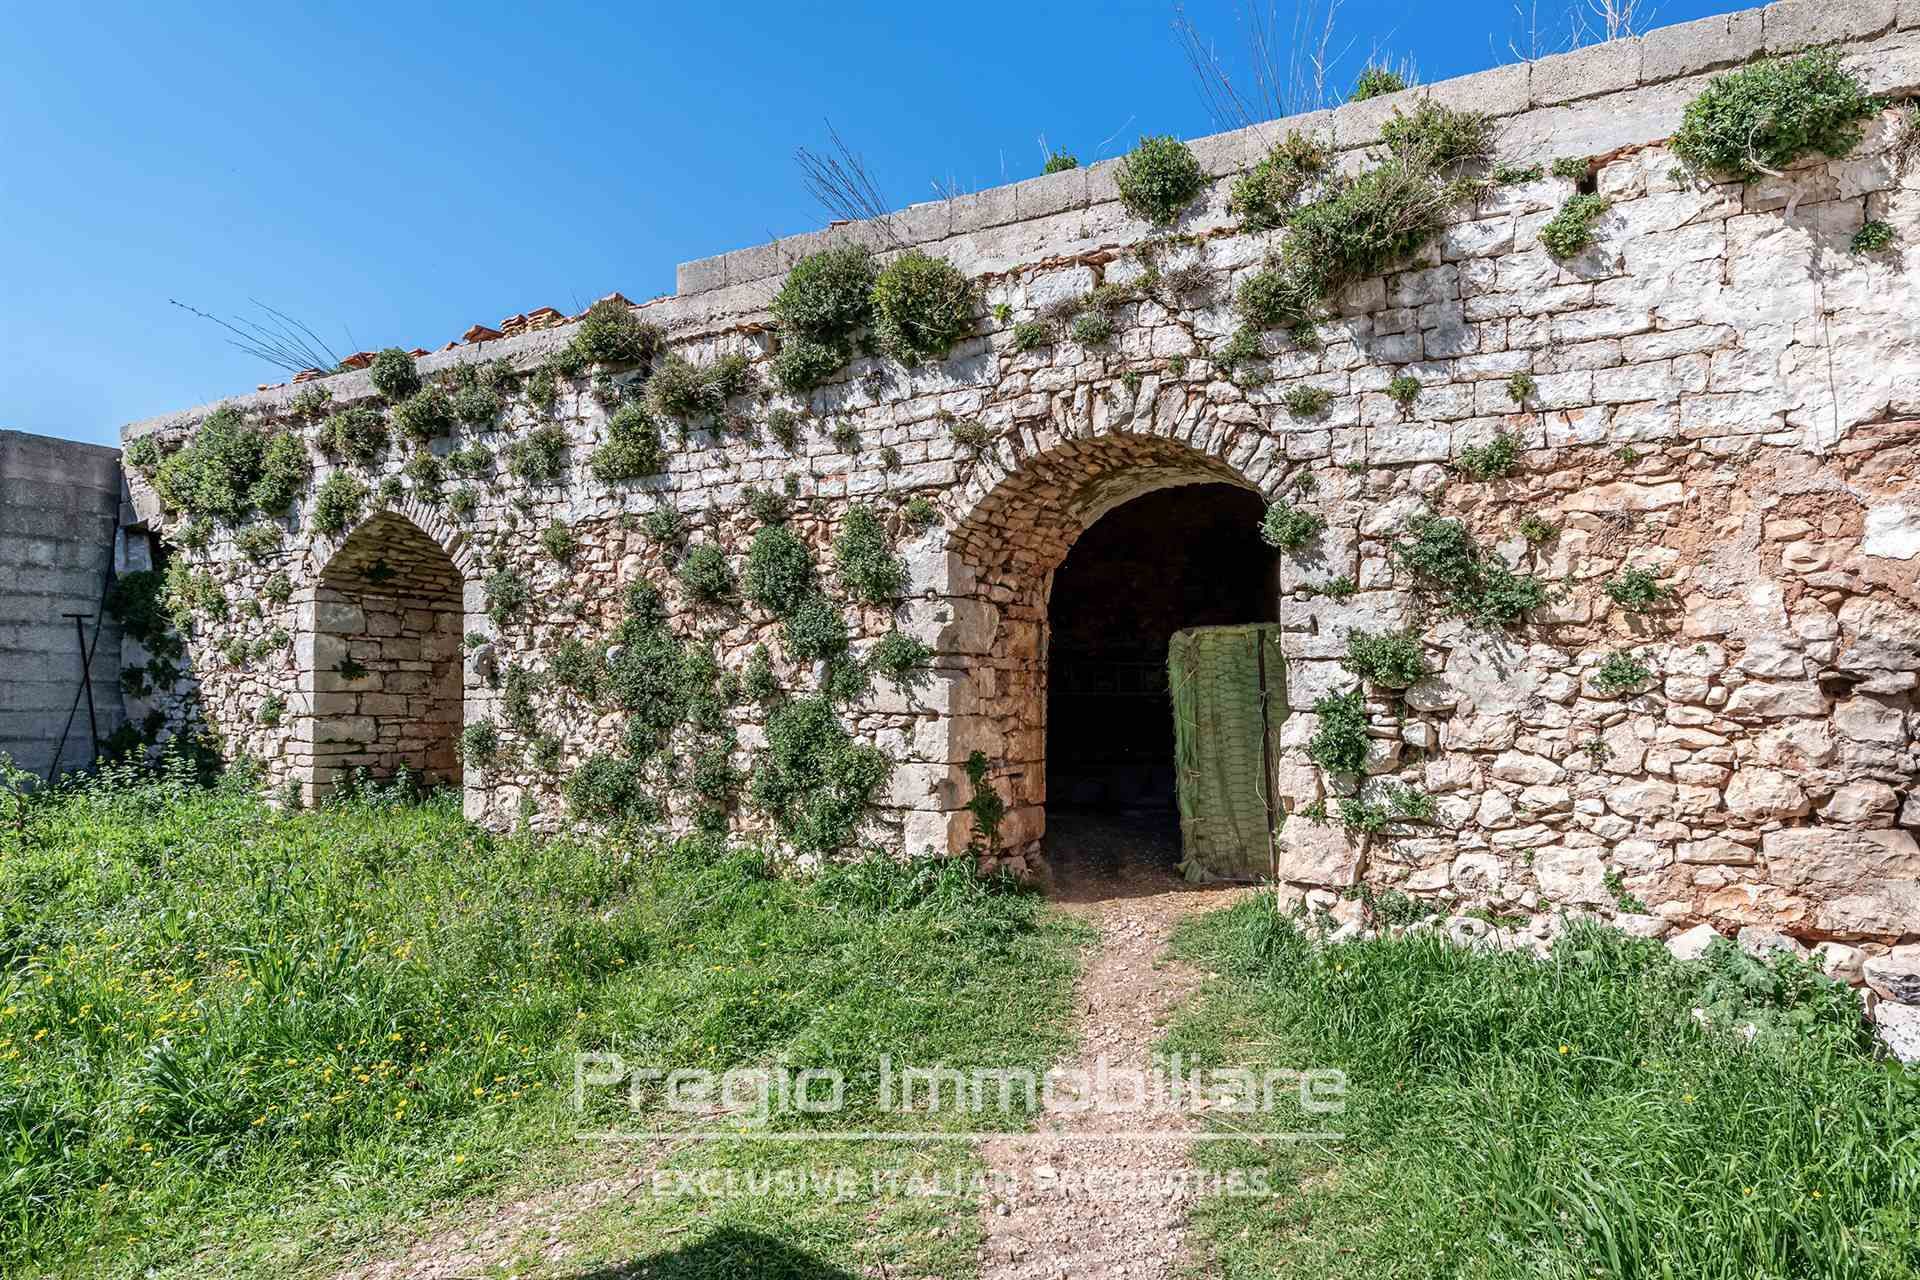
(1189, 556)
(381, 651)
(1022, 517)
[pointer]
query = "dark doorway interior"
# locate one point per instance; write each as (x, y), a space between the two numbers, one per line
(1189, 556)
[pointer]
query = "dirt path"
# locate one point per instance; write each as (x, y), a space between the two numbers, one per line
(1080, 1206)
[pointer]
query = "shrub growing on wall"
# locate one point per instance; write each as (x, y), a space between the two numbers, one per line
(284, 470)
(1571, 230)
(1367, 222)
(1464, 578)
(214, 472)
(610, 333)
(1763, 117)
(813, 780)
(1158, 179)
(828, 296)
(632, 448)
(1392, 659)
(540, 458)
(815, 629)
(922, 305)
(678, 388)
(779, 570)
(863, 554)
(1339, 743)
(393, 374)
(1289, 527)
(1375, 82)
(1263, 197)
(423, 415)
(705, 574)
(357, 434)
(337, 503)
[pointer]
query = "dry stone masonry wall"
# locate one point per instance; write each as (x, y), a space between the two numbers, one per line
(1700, 434)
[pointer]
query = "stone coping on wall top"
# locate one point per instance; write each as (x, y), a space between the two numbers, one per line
(1587, 102)
(1664, 54)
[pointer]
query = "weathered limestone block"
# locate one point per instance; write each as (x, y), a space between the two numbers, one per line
(1762, 795)
(1319, 853)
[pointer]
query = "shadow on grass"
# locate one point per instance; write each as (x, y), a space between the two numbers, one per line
(727, 1254)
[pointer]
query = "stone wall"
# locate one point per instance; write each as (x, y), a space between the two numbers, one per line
(59, 507)
(1722, 397)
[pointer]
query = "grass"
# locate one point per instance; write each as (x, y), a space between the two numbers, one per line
(1512, 1117)
(241, 1042)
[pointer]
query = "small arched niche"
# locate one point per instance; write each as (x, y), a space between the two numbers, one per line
(384, 660)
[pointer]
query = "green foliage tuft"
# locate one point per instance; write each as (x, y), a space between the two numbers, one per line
(1303, 401)
(922, 306)
(559, 541)
(1873, 236)
(356, 434)
(1511, 175)
(425, 414)
(1491, 460)
(815, 629)
(1536, 529)
(337, 503)
(779, 570)
(920, 513)
(608, 789)
(610, 333)
(214, 472)
(1638, 591)
(1091, 328)
(678, 388)
(1263, 197)
(1392, 659)
(1437, 136)
(1763, 117)
(1059, 162)
(1520, 388)
(540, 457)
(1158, 179)
(507, 596)
(1029, 335)
(1462, 577)
(393, 374)
(1339, 743)
(1289, 527)
(632, 449)
(480, 743)
(664, 525)
(1572, 168)
(258, 541)
(803, 364)
(813, 780)
(705, 574)
(1571, 230)
(897, 656)
(1404, 390)
(1375, 82)
(827, 299)
(1620, 672)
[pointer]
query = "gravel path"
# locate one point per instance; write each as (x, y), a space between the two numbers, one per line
(1074, 1205)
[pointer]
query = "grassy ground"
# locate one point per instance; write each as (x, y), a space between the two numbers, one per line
(240, 1042)
(1508, 1117)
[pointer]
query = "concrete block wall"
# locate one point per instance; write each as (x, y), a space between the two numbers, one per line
(59, 510)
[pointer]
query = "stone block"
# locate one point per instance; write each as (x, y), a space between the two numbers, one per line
(1694, 943)
(1793, 25)
(1319, 853)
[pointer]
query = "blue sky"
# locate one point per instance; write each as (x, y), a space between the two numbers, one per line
(393, 174)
